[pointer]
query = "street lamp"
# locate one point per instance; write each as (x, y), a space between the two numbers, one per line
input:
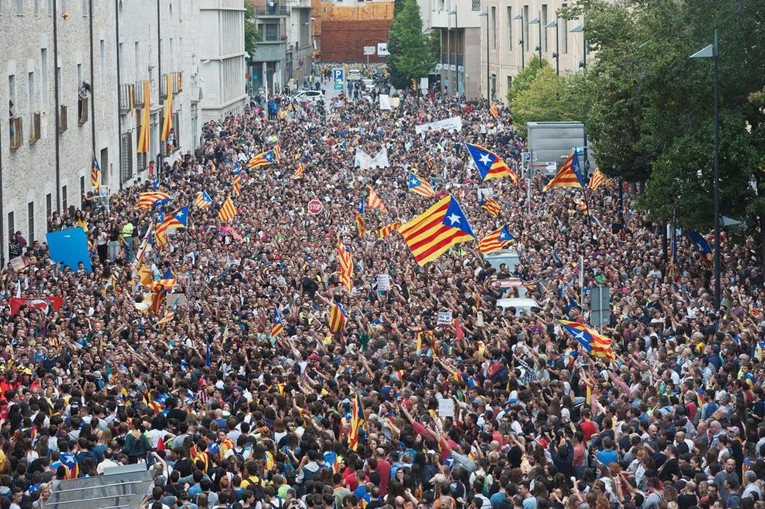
(713, 51)
(488, 79)
(449, 50)
(555, 55)
(579, 29)
(519, 17)
(536, 21)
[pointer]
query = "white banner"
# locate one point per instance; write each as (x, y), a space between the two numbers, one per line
(385, 102)
(365, 161)
(449, 124)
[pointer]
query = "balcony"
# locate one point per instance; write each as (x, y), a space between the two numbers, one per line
(138, 99)
(82, 110)
(34, 134)
(17, 133)
(279, 11)
(63, 122)
(127, 98)
(178, 83)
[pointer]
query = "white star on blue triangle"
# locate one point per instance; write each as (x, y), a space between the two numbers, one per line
(455, 218)
(413, 181)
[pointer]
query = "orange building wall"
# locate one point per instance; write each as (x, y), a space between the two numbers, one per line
(342, 32)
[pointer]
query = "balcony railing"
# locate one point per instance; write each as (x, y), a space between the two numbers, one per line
(127, 98)
(17, 133)
(138, 94)
(275, 10)
(178, 83)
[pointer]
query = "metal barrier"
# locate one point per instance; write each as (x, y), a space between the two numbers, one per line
(119, 487)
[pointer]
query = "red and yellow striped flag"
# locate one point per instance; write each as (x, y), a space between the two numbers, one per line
(346, 265)
(598, 179)
(494, 110)
(374, 201)
(227, 211)
(336, 318)
(299, 171)
(167, 124)
(237, 185)
(388, 229)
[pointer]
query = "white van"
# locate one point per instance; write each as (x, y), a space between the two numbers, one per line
(511, 258)
(521, 305)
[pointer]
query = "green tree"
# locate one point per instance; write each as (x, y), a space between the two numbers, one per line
(251, 35)
(549, 97)
(524, 78)
(651, 110)
(411, 51)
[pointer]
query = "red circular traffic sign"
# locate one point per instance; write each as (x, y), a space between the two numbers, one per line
(315, 207)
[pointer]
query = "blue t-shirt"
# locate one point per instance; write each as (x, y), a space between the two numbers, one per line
(608, 456)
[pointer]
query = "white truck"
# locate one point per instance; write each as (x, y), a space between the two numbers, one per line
(550, 143)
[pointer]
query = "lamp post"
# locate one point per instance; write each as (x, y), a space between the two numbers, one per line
(519, 17)
(713, 51)
(537, 21)
(579, 29)
(488, 78)
(555, 55)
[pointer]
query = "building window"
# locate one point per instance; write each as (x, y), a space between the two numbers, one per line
(64, 199)
(82, 186)
(564, 34)
(19, 7)
(44, 77)
(11, 224)
(85, 8)
(494, 28)
(510, 28)
(543, 20)
(48, 205)
(525, 21)
(476, 5)
(37, 7)
(126, 164)
(101, 63)
(31, 221)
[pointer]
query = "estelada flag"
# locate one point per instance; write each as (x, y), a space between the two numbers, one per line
(489, 164)
(433, 232)
(569, 175)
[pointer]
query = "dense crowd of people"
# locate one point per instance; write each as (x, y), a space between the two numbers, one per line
(497, 409)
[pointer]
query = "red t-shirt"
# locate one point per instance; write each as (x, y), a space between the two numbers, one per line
(589, 428)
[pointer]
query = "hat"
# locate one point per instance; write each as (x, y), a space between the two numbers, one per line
(513, 397)
(97, 375)
(313, 357)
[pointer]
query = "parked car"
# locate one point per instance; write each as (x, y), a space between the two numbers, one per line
(313, 96)
(521, 305)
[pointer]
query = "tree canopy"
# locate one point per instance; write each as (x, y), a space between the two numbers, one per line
(412, 54)
(649, 106)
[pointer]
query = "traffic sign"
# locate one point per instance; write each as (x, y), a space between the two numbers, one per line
(315, 207)
(338, 74)
(526, 156)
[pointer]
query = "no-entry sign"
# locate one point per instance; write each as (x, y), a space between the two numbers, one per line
(315, 207)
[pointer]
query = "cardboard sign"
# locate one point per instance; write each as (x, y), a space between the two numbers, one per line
(445, 407)
(383, 282)
(444, 318)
